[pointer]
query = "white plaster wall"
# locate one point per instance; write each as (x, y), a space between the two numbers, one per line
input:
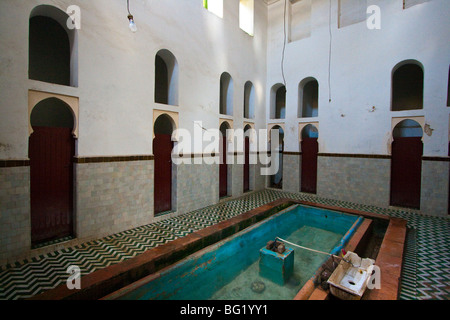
(116, 70)
(361, 66)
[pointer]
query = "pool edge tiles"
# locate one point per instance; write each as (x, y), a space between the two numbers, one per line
(171, 283)
(345, 240)
(280, 206)
(102, 282)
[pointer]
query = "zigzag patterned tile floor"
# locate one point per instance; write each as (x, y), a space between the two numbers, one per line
(426, 274)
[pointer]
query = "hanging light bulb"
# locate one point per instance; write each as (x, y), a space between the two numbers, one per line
(132, 24)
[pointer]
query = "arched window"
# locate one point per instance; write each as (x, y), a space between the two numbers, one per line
(53, 48)
(226, 94)
(278, 102)
(249, 101)
(407, 86)
(166, 78)
(309, 98)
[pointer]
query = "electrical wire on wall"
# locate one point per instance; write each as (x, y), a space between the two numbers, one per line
(330, 53)
(284, 44)
(132, 24)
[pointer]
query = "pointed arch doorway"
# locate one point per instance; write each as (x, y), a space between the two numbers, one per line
(223, 167)
(247, 158)
(162, 150)
(276, 180)
(51, 153)
(406, 166)
(310, 150)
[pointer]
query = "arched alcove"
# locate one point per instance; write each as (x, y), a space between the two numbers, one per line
(226, 94)
(407, 86)
(309, 98)
(249, 100)
(166, 78)
(53, 47)
(278, 102)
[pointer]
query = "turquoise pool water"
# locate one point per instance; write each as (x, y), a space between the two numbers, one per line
(228, 269)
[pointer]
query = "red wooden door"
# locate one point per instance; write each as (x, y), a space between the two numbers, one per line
(51, 152)
(310, 149)
(223, 170)
(406, 172)
(162, 149)
(247, 165)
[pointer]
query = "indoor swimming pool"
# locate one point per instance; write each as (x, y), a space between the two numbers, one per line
(229, 270)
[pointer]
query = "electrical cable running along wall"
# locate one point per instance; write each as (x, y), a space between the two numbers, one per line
(284, 43)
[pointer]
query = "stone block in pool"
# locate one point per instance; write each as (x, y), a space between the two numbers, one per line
(275, 266)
